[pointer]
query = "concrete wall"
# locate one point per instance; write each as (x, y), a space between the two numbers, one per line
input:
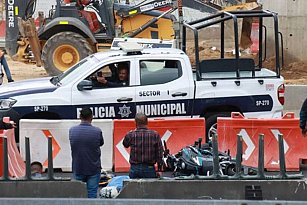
(292, 23)
(294, 98)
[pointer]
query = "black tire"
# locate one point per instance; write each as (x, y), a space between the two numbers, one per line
(63, 50)
(211, 123)
(231, 170)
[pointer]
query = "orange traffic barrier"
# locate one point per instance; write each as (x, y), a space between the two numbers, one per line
(177, 133)
(294, 143)
(16, 163)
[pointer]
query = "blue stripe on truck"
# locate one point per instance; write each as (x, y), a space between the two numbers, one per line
(256, 103)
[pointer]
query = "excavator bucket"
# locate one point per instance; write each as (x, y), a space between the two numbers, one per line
(29, 35)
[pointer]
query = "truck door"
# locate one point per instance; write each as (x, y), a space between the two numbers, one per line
(115, 99)
(164, 89)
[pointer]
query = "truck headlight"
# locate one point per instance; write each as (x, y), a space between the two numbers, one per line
(7, 103)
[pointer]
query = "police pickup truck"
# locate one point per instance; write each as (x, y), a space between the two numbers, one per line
(161, 84)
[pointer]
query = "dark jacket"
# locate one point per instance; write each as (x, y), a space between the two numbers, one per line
(5, 126)
(303, 115)
(117, 83)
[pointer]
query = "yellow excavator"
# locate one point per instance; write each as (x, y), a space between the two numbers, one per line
(75, 29)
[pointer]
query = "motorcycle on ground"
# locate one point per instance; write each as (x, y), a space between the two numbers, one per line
(197, 159)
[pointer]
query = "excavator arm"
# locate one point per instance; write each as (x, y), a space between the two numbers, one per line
(28, 37)
(141, 8)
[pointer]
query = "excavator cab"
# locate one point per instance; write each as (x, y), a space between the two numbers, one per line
(94, 14)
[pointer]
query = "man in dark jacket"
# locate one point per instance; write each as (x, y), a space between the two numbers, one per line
(303, 117)
(85, 142)
(120, 81)
(146, 149)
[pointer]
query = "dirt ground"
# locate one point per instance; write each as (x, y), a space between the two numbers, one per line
(21, 71)
(294, 73)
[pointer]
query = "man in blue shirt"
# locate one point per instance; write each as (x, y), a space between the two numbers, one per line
(85, 141)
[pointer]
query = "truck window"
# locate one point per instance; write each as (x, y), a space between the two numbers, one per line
(111, 75)
(154, 72)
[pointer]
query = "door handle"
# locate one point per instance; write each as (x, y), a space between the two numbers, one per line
(124, 99)
(179, 94)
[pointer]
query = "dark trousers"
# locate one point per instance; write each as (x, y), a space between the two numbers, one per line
(142, 171)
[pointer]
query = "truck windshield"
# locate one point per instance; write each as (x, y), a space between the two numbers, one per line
(75, 71)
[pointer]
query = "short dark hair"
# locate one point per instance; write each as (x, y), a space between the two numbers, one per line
(123, 66)
(141, 119)
(37, 163)
(86, 113)
(36, 167)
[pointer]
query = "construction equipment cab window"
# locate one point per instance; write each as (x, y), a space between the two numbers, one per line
(159, 72)
(90, 11)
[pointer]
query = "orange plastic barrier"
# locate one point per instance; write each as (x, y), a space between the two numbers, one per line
(176, 132)
(16, 163)
(294, 143)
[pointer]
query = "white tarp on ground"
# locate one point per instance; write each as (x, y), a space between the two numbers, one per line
(37, 130)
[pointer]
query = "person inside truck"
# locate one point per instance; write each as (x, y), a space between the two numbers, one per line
(122, 78)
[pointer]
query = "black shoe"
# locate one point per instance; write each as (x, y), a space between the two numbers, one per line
(10, 81)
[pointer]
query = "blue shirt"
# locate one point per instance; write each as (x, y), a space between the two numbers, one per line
(85, 141)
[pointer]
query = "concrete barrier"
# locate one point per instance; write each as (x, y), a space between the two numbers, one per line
(294, 98)
(43, 189)
(292, 190)
(140, 202)
(38, 130)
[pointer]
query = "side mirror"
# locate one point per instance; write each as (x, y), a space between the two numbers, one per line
(85, 85)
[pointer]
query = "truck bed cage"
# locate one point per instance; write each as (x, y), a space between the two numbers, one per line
(236, 64)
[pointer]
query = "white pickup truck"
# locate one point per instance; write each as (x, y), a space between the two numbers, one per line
(161, 84)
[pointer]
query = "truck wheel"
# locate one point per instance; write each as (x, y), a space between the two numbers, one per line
(64, 50)
(211, 124)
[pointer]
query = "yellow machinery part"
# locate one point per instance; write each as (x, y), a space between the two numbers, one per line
(244, 6)
(65, 56)
(28, 31)
(103, 46)
(161, 28)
